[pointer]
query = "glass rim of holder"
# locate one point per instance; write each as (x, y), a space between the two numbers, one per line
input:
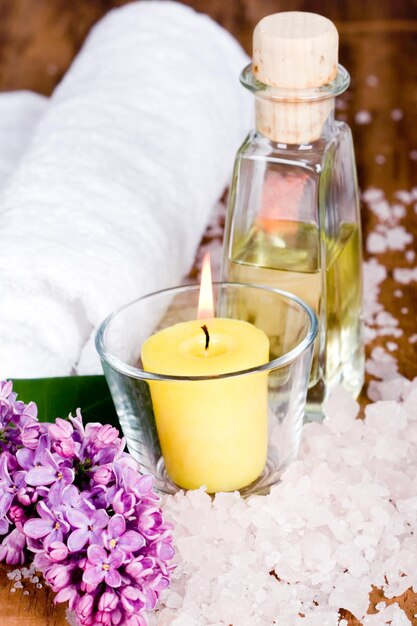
(228, 432)
(142, 374)
(281, 94)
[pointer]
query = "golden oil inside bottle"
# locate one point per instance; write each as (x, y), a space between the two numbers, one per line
(285, 255)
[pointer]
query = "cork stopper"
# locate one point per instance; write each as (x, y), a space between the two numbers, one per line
(294, 51)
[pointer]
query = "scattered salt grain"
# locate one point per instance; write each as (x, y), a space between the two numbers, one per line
(413, 155)
(404, 196)
(376, 243)
(397, 115)
(380, 159)
(398, 238)
(404, 310)
(12, 590)
(404, 275)
(399, 211)
(39, 585)
(410, 255)
(34, 580)
(372, 194)
(26, 592)
(18, 585)
(391, 345)
(412, 339)
(363, 117)
(398, 293)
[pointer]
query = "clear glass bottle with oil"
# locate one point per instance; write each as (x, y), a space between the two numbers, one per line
(293, 218)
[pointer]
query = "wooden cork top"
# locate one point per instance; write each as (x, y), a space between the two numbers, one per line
(295, 50)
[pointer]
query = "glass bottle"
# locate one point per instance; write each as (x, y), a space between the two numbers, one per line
(293, 218)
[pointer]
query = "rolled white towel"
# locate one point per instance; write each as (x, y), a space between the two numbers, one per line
(114, 193)
(19, 113)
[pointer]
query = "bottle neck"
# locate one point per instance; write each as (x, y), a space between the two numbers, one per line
(290, 122)
(295, 116)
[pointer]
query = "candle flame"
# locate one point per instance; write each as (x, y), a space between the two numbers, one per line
(205, 300)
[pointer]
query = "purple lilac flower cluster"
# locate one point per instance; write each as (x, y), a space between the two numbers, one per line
(70, 495)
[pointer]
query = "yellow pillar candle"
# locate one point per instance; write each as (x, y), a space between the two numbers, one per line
(212, 432)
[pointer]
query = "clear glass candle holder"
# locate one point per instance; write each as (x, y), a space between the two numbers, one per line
(232, 424)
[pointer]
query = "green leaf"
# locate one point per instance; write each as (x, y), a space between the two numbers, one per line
(57, 397)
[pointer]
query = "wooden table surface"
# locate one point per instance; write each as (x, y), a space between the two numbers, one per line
(378, 44)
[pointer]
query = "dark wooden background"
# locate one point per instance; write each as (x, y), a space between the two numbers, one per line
(39, 38)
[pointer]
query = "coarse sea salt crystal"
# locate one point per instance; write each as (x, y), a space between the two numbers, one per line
(404, 275)
(380, 208)
(398, 238)
(372, 194)
(349, 595)
(339, 521)
(404, 196)
(376, 243)
(379, 390)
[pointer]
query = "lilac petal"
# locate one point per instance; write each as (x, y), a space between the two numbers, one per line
(61, 492)
(94, 575)
(77, 539)
(44, 512)
(25, 458)
(44, 444)
(41, 476)
(31, 410)
(99, 519)
(6, 500)
(165, 551)
(65, 594)
(116, 558)
(37, 528)
(145, 484)
(151, 599)
(78, 519)
(67, 474)
(96, 555)
(4, 526)
(113, 578)
(49, 460)
(4, 471)
(61, 429)
(131, 541)
(117, 525)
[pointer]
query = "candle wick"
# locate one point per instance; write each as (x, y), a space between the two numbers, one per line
(206, 332)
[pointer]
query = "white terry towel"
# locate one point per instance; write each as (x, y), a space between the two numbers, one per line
(113, 195)
(19, 113)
